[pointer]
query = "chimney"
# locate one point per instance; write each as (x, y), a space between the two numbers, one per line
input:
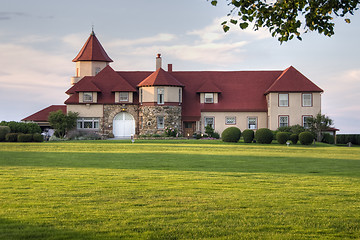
(158, 61)
(169, 67)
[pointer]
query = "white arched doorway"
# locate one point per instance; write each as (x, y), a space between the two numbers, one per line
(123, 125)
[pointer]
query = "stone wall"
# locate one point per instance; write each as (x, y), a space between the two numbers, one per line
(110, 111)
(148, 119)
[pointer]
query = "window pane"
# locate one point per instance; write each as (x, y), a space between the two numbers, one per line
(252, 121)
(230, 120)
(307, 100)
(283, 100)
(160, 122)
(305, 123)
(284, 120)
(79, 124)
(160, 96)
(87, 96)
(209, 121)
(209, 97)
(124, 97)
(88, 124)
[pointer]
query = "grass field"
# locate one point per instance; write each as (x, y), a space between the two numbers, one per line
(178, 190)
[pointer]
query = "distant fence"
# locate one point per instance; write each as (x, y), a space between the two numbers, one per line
(346, 138)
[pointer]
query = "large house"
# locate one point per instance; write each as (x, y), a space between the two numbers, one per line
(127, 103)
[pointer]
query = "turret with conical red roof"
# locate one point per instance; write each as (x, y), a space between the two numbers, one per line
(91, 59)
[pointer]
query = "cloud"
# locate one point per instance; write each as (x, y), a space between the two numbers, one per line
(10, 15)
(161, 37)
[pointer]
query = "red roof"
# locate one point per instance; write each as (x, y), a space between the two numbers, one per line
(291, 80)
(241, 91)
(92, 51)
(209, 87)
(106, 82)
(160, 78)
(42, 115)
(84, 85)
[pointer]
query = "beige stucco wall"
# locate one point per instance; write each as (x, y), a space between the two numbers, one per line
(241, 120)
(295, 110)
(86, 110)
(171, 94)
(88, 68)
(81, 97)
(202, 98)
(117, 97)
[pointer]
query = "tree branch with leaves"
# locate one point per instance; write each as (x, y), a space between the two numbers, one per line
(285, 19)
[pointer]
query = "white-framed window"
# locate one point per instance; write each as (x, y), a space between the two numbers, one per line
(230, 120)
(160, 122)
(252, 122)
(88, 123)
(209, 97)
(160, 95)
(305, 121)
(283, 100)
(141, 95)
(307, 100)
(87, 96)
(180, 95)
(209, 121)
(123, 96)
(283, 121)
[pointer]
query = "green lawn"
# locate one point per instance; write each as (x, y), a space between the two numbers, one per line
(178, 190)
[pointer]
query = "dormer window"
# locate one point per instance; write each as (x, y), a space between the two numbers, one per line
(209, 97)
(124, 97)
(160, 95)
(88, 97)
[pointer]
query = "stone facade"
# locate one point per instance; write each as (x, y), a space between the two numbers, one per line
(148, 119)
(110, 111)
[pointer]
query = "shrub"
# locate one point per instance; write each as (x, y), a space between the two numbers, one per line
(37, 137)
(111, 135)
(216, 135)
(294, 138)
(345, 138)
(25, 137)
(209, 131)
(156, 135)
(11, 137)
(3, 131)
(306, 138)
(231, 134)
(282, 137)
(171, 132)
(21, 127)
(328, 138)
(264, 135)
(248, 135)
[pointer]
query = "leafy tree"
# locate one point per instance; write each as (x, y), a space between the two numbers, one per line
(61, 122)
(285, 18)
(318, 124)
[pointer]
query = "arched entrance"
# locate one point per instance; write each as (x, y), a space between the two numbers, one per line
(123, 125)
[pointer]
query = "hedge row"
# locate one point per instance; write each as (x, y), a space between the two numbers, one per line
(21, 127)
(346, 138)
(21, 137)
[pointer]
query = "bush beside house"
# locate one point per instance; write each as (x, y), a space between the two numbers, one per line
(264, 135)
(3, 131)
(306, 138)
(231, 134)
(282, 137)
(248, 135)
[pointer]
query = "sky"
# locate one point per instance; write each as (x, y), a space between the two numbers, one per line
(39, 39)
